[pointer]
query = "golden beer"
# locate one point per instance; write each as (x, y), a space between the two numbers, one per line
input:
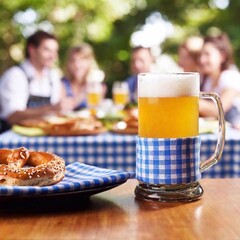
(94, 99)
(120, 98)
(168, 105)
(120, 93)
(94, 93)
(168, 117)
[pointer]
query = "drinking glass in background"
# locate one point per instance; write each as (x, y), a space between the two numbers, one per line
(120, 94)
(168, 164)
(94, 95)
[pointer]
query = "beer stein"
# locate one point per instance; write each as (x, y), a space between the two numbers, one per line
(168, 166)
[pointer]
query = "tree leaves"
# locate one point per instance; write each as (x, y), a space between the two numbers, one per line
(108, 25)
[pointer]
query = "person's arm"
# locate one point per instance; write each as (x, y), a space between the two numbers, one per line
(208, 109)
(18, 116)
(66, 103)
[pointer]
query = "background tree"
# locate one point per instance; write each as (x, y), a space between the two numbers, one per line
(108, 25)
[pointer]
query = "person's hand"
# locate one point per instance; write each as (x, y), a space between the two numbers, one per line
(67, 104)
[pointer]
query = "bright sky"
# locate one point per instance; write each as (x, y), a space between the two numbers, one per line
(153, 33)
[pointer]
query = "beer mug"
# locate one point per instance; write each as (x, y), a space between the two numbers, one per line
(168, 166)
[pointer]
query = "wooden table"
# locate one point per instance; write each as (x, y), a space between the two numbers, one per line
(116, 214)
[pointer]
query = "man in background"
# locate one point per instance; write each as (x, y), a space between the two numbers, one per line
(141, 62)
(32, 88)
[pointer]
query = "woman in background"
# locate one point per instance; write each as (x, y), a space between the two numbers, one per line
(189, 54)
(81, 68)
(220, 75)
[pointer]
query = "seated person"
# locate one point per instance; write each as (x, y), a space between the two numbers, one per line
(189, 54)
(221, 76)
(81, 68)
(31, 89)
(141, 62)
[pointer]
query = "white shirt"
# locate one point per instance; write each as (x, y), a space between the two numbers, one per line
(15, 88)
(229, 79)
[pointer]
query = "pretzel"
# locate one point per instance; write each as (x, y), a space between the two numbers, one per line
(62, 126)
(78, 126)
(28, 168)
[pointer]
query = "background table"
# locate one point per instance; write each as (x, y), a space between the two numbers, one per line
(116, 151)
(116, 214)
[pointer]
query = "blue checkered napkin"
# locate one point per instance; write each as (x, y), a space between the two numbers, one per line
(168, 161)
(78, 177)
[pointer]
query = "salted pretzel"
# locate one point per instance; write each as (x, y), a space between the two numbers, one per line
(28, 168)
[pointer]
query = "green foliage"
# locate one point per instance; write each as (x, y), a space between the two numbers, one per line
(108, 25)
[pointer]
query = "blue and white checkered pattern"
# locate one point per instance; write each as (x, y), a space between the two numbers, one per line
(78, 177)
(116, 151)
(168, 161)
(105, 150)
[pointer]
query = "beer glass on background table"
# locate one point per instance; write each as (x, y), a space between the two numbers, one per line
(94, 95)
(168, 164)
(120, 94)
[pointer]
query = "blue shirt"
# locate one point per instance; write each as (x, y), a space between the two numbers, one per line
(132, 85)
(69, 93)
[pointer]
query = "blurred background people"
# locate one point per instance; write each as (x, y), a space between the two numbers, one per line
(81, 71)
(141, 62)
(221, 76)
(31, 89)
(189, 54)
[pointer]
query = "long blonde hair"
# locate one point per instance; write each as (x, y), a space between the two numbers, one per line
(85, 51)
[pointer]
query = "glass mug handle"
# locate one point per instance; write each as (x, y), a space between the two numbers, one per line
(221, 132)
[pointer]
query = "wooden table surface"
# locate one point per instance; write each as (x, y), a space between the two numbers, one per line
(116, 214)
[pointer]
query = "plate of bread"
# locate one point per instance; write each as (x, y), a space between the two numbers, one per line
(60, 126)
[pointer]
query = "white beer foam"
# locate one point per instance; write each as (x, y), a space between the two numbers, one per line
(168, 85)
